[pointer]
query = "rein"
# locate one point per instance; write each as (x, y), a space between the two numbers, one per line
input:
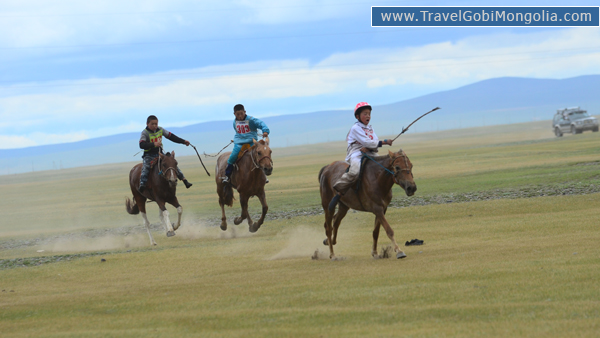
(393, 173)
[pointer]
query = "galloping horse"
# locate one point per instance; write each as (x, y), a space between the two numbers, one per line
(162, 184)
(247, 181)
(374, 194)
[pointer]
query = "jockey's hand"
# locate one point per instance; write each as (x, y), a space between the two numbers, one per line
(186, 142)
(157, 143)
(389, 142)
(364, 150)
(265, 135)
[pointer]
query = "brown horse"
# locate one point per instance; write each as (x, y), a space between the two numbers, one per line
(374, 194)
(247, 181)
(162, 184)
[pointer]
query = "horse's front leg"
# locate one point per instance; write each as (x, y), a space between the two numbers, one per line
(263, 201)
(176, 204)
(244, 203)
(380, 214)
(164, 216)
(223, 217)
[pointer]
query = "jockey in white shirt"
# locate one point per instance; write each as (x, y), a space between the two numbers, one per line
(361, 139)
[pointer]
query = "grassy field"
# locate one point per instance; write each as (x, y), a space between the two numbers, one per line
(504, 267)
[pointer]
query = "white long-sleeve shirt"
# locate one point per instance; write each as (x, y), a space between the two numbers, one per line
(360, 136)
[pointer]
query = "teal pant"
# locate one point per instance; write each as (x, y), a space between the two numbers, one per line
(235, 152)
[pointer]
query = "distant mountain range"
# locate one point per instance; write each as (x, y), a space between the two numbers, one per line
(490, 102)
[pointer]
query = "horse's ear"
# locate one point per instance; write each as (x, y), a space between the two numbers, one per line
(390, 153)
(266, 140)
(173, 153)
(254, 142)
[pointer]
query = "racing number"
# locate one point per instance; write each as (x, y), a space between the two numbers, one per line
(243, 128)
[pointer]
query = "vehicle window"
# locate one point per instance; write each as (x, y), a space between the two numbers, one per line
(579, 115)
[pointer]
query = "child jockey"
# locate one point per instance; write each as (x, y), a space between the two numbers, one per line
(361, 139)
(245, 132)
(151, 142)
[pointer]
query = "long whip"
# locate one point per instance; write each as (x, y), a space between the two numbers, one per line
(217, 154)
(207, 173)
(405, 129)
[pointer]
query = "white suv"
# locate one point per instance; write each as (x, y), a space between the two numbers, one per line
(573, 120)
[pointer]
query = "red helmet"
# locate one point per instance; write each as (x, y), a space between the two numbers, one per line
(361, 105)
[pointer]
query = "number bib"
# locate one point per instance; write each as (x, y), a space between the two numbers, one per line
(242, 127)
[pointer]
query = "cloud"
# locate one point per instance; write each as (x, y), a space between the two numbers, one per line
(294, 11)
(37, 138)
(194, 94)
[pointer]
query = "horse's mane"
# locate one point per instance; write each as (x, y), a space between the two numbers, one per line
(380, 157)
(385, 157)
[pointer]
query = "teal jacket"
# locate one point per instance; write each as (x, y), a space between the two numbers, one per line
(245, 130)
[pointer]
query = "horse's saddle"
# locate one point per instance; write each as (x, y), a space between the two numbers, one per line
(153, 162)
(246, 147)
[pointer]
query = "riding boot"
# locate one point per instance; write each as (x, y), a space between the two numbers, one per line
(334, 202)
(142, 186)
(187, 184)
(228, 172)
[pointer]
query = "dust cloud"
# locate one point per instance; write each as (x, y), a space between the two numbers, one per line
(303, 242)
(108, 242)
(193, 228)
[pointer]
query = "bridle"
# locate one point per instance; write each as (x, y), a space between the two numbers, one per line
(164, 173)
(256, 166)
(402, 154)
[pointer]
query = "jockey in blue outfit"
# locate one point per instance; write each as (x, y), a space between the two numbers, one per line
(245, 132)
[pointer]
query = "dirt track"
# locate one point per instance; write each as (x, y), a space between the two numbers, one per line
(397, 202)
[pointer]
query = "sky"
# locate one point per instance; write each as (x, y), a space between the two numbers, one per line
(72, 70)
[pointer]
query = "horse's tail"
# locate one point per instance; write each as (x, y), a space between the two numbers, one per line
(228, 194)
(321, 172)
(132, 207)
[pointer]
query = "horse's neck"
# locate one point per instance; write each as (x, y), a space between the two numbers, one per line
(384, 179)
(246, 165)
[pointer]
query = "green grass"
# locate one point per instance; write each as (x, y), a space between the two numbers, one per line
(495, 268)
(509, 267)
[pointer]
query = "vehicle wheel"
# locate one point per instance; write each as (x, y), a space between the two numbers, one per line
(557, 132)
(595, 129)
(574, 130)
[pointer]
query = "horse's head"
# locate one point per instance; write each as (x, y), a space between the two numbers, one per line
(168, 168)
(402, 168)
(262, 154)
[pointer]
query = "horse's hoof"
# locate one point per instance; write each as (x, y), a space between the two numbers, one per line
(400, 255)
(175, 226)
(325, 242)
(170, 233)
(224, 226)
(254, 228)
(237, 220)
